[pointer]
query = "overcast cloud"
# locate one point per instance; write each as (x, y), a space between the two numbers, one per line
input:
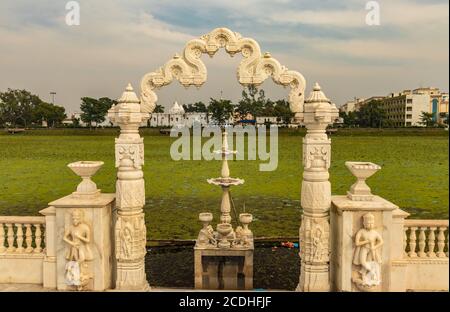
(119, 41)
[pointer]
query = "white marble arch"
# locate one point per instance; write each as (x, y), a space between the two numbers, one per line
(254, 68)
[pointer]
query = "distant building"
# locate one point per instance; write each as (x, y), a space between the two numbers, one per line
(438, 105)
(347, 107)
(268, 120)
(405, 108)
(357, 103)
(106, 123)
(178, 117)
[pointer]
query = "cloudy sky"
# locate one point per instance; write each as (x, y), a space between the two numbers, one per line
(119, 41)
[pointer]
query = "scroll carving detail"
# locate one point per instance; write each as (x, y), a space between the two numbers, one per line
(254, 68)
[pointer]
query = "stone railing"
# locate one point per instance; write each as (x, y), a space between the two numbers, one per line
(425, 238)
(22, 252)
(21, 234)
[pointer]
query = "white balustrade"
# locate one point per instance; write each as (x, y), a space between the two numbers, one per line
(21, 235)
(431, 241)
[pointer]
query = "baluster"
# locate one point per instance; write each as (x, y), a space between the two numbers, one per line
(2, 238)
(441, 242)
(10, 235)
(19, 238)
(431, 242)
(28, 238)
(405, 240)
(38, 238)
(412, 242)
(422, 242)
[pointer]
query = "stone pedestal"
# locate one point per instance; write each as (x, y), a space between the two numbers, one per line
(95, 215)
(347, 217)
(217, 268)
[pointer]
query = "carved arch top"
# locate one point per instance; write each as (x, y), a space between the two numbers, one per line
(254, 68)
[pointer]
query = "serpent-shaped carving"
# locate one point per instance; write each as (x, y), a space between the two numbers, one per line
(254, 68)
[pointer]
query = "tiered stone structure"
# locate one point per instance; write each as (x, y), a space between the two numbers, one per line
(319, 112)
(130, 230)
(224, 258)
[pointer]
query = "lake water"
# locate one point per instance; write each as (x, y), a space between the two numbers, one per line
(274, 268)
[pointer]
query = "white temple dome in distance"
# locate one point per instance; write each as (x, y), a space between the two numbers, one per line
(176, 109)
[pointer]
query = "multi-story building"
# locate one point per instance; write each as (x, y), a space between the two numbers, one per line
(438, 105)
(356, 104)
(404, 109)
(368, 100)
(443, 109)
(351, 106)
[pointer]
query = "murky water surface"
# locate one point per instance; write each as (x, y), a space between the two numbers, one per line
(274, 268)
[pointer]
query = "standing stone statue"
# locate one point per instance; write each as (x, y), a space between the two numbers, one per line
(368, 243)
(78, 237)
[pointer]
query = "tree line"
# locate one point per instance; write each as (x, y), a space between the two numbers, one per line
(21, 108)
(252, 104)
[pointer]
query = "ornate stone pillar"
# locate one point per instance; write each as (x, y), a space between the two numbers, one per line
(316, 193)
(129, 229)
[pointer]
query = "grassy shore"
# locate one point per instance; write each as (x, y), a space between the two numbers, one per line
(33, 172)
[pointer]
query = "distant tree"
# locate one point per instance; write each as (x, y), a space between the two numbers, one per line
(75, 122)
(269, 108)
(17, 106)
(350, 118)
(283, 111)
(220, 110)
(427, 119)
(371, 115)
(197, 107)
(252, 102)
(94, 110)
(90, 111)
(158, 109)
(52, 114)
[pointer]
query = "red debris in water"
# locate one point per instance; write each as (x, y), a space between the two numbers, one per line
(287, 244)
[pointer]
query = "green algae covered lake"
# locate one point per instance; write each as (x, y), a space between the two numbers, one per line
(414, 175)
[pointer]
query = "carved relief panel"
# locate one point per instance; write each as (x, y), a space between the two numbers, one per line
(314, 240)
(130, 237)
(129, 154)
(78, 240)
(316, 153)
(367, 255)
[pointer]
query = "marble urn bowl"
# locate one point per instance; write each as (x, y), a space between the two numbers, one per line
(224, 229)
(246, 219)
(360, 191)
(205, 218)
(86, 169)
